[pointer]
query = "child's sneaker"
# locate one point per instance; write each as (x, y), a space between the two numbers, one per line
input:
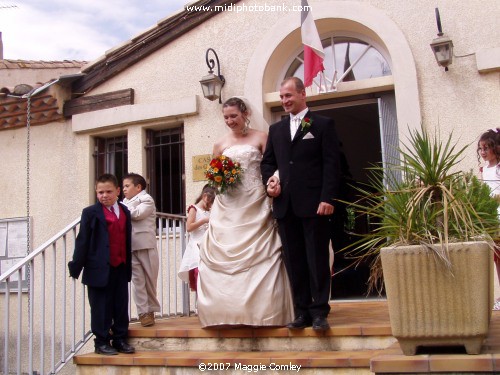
(147, 319)
(496, 306)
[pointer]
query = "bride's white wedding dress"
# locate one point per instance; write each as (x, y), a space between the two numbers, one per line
(242, 277)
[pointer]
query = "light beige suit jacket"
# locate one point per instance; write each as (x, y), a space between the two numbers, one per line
(143, 213)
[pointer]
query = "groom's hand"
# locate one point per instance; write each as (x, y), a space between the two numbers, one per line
(273, 186)
(325, 209)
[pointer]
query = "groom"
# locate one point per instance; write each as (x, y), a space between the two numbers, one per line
(304, 148)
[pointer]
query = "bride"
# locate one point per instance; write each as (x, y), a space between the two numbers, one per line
(242, 278)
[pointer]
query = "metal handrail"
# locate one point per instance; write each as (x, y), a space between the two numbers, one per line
(40, 249)
(56, 324)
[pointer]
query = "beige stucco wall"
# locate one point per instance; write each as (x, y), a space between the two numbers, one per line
(59, 176)
(254, 49)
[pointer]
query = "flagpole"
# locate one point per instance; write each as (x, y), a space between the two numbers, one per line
(314, 54)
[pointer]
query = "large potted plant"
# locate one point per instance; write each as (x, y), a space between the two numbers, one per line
(430, 242)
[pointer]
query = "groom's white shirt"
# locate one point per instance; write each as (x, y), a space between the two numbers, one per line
(296, 120)
(293, 129)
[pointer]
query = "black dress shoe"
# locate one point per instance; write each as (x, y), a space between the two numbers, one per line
(300, 322)
(105, 349)
(123, 347)
(320, 324)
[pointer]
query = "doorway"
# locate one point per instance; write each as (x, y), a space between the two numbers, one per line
(358, 126)
(368, 133)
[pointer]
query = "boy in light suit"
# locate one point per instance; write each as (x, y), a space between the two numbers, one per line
(145, 260)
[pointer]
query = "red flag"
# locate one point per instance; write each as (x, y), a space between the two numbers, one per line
(313, 49)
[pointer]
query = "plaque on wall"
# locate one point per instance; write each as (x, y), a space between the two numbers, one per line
(200, 163)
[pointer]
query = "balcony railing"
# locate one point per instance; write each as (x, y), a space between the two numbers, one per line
(45, 313)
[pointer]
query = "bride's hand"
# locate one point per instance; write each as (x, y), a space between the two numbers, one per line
(273, 186)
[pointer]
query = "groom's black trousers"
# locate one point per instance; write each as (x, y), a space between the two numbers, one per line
(306, 251)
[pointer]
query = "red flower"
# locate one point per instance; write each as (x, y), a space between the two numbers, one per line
(306, 124)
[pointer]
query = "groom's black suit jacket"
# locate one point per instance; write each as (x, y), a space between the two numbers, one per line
(308, 166)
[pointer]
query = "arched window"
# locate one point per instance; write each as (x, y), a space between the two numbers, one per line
(346, 59)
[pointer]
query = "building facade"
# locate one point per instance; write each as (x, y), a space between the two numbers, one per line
(139, 107)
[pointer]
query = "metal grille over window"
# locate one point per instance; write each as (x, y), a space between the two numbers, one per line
(111, 156)
(165, 160)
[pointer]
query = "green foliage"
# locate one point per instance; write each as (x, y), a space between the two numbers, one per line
(478, 194)
(423, 199)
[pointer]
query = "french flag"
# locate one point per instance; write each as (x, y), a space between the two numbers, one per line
(313, 49)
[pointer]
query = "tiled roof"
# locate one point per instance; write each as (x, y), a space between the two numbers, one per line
(33, 64)
(18, 90)
(44, 109)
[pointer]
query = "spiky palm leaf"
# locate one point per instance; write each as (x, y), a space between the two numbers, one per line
(432, 204)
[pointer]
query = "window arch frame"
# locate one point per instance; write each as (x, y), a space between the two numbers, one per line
(282, 42)
(372, 43)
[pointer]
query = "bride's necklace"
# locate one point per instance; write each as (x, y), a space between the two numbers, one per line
(241, 134)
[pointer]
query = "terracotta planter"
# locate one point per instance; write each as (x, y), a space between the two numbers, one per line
(431, 306)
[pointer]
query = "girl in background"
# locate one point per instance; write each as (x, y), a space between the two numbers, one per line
(488, 149)
(196, 226)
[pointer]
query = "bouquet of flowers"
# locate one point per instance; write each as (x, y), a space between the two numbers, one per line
(223, 173)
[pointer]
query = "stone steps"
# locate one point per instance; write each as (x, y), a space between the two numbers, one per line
(180, 345)
(358, 343)
(317, 362)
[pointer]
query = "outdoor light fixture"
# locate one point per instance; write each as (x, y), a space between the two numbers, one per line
(442, 46)
(212, 84)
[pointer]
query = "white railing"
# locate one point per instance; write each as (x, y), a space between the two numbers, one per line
(172, 292)
(45, 313)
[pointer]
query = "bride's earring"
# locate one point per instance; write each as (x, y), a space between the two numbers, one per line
(245, 129)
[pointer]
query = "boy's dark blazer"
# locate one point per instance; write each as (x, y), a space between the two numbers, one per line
(92, 247)
(308, 165)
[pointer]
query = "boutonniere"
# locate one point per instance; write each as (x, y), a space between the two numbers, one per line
(306, 124)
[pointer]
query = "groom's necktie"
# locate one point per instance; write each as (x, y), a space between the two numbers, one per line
(294, 126)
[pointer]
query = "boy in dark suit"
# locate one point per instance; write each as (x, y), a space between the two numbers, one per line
(103, 251)
(304, 148)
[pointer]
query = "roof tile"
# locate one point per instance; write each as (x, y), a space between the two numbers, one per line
(32, 64)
